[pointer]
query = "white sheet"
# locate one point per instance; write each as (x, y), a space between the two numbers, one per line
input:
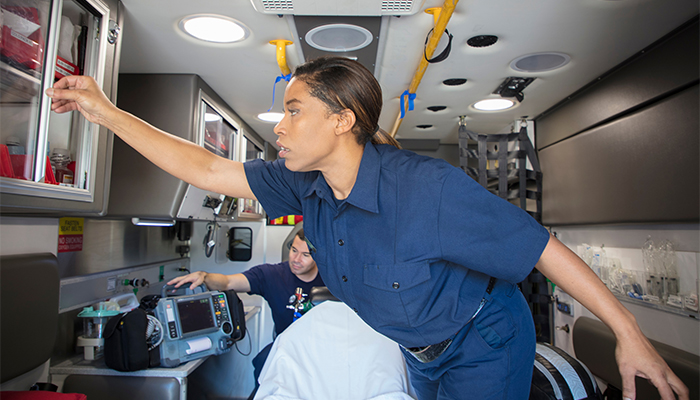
(330, 353)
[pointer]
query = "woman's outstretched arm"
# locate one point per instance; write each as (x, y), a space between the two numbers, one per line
(634, 353)
(179, 157)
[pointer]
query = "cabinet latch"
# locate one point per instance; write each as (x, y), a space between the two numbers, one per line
(114, 30)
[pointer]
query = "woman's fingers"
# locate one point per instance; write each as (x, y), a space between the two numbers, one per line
(79, 93)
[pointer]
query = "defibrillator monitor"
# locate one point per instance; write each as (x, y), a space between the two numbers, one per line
(195, 326)
(195, 315)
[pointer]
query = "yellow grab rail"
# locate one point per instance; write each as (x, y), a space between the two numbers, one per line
(282, 54)
(441, 16)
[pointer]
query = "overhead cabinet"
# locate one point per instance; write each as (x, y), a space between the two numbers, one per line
(185, 106)
(54, 163)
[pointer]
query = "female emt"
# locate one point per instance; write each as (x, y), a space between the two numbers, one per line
(418, 249)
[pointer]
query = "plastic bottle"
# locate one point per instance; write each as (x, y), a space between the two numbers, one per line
(60, 158)
(648, 253)
(599, 261)
(14, 146)
(669, 264)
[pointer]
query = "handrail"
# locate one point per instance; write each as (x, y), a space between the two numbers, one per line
(441, 16)
(282, 54)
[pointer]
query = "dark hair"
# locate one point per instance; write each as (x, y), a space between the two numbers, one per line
(300, 233)
(341, 83)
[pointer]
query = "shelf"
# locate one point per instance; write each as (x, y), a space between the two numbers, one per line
(660, 307)
(18, 86)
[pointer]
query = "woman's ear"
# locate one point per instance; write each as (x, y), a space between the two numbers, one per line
(345, 121)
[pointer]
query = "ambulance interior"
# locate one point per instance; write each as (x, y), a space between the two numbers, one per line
(603, 110)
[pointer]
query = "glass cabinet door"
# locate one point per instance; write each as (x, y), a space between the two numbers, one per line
(250, 150)
(219, 134)
(45, 154)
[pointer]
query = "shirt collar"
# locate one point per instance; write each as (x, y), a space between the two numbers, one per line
(365, 192)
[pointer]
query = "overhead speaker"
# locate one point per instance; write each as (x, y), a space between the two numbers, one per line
(338, 38)
(540, 62)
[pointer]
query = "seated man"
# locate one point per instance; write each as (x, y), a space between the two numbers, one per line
(276, 283)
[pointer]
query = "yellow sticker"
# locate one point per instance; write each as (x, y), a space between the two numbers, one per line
(71, 226)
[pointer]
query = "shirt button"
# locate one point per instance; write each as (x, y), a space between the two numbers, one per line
(395, 285)
(345, 278)
(340, 242)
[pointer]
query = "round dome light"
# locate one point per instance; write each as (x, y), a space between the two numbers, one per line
(338, 38)
(271, 117)
(493, 104)
(214, 28)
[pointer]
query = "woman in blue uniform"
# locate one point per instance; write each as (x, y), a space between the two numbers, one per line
(417, 248)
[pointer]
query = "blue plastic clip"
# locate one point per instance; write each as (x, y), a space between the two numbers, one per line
(411, 97)
(279, 78)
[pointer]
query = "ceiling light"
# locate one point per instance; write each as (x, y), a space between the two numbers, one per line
(338, 38)
(271, 117)
(540, 62)
(214, 28)
(493, 104)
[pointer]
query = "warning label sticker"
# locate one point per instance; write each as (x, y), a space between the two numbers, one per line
(70, 234)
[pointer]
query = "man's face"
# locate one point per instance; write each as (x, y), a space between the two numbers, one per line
(300, 261)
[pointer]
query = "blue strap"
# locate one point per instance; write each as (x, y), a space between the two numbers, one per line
(411, 97)
(279, 78)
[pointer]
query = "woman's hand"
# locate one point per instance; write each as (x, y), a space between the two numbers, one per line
(196, 278)
(80, 93)
(634, 354)
(637, 357)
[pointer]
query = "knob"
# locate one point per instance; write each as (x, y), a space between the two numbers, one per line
(227, 328)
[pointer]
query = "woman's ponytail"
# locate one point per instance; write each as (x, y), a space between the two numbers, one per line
(383, 137)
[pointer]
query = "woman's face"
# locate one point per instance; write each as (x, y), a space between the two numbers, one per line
(306, 134)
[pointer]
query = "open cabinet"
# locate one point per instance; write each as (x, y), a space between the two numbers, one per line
(54, 163)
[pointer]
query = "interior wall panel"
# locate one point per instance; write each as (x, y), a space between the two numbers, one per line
(640, 168)
(668, 66)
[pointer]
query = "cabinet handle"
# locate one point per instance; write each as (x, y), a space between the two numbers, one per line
(114, 31)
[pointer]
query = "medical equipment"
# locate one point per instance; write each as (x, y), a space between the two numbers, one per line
(196, 326)
(299, 304)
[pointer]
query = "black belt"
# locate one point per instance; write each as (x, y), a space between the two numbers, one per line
(431, 352)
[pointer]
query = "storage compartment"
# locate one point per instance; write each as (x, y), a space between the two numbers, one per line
(185, 106)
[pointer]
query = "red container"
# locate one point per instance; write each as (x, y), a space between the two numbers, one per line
(22, 50)
(22, 165)
(49, 177)
(5, 163)
(64, 68)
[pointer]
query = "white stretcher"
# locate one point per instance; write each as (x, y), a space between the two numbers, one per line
(330, 353)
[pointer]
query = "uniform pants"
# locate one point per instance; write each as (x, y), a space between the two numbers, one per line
(492, 357)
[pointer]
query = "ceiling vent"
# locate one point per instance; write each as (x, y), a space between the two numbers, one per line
(338, 7)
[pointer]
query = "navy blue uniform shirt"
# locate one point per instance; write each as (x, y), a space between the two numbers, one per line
(412, 247)
(276, 283)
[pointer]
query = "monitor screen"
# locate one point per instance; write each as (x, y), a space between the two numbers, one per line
(195, 315)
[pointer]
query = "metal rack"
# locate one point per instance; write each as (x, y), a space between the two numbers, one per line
(499, 162)
(502, 166)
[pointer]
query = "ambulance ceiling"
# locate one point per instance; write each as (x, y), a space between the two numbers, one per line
(592, 36)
